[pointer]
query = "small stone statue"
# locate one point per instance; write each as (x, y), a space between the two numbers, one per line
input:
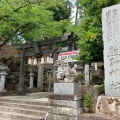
(66, 72)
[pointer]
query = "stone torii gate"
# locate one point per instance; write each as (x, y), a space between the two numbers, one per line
(37, 52)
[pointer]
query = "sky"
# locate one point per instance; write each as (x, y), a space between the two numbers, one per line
(73, 11)
(72, 1)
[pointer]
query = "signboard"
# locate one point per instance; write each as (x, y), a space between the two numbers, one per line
(68, 56)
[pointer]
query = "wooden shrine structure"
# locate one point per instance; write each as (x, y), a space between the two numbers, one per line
(37, 52)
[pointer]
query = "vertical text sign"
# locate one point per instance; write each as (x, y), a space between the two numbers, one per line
(111, 38)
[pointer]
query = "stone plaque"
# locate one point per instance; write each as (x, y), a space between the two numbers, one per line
(111, 38)
(66, 88)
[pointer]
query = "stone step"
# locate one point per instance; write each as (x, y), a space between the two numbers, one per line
(18, 116)
(30, 107)
(6, 118)
(21, 110)
(31, 102)
(43, 107)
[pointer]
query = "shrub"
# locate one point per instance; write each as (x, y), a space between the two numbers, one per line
(100, 89)
(88, 101)
(96, 79)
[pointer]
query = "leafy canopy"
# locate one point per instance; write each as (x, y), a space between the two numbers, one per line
(31, 20)
(89, 30)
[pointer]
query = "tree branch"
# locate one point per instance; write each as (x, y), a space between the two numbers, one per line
(7, 38)
(9, 4)
(24, 31)
(5, 41)
(5, 16)
(16, 10)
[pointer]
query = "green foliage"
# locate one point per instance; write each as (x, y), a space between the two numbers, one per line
(61, 11)
(100, 89)
(90, 30)
(88, 101)
(80, 78)
(96, 79)
(31, 20)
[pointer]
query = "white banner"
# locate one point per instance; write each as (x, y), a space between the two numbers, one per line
(68, 56)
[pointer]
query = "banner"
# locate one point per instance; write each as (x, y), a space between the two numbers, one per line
(68, 56)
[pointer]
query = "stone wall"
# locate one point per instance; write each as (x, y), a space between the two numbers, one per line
(89, 116)
(89, 89)
(108, 105)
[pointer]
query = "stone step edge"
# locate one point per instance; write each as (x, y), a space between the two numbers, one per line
(15, 115)
(28, 110)
(24, 101)
(10, 103)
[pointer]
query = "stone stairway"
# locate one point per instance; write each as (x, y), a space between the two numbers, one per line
(23, 109)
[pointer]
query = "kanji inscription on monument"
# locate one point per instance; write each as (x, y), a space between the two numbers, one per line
(111, 38)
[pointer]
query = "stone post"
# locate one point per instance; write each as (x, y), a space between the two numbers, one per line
(22, 73)
(91, 73)
(87, 74)
(31, 79)
(55, 57)
(40, 77)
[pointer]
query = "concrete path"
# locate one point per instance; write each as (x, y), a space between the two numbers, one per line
(30, 96)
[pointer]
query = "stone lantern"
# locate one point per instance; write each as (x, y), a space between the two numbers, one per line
(31, 79)
(3, 73)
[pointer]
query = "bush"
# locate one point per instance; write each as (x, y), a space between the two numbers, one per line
(88, 101)
(100, 89)
(96, 79)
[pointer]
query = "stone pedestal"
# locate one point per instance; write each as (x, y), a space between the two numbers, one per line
(66, 88)
(65, 103)
(31, 79)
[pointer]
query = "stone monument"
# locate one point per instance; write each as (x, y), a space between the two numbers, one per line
(111, 38)
(110, 103)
